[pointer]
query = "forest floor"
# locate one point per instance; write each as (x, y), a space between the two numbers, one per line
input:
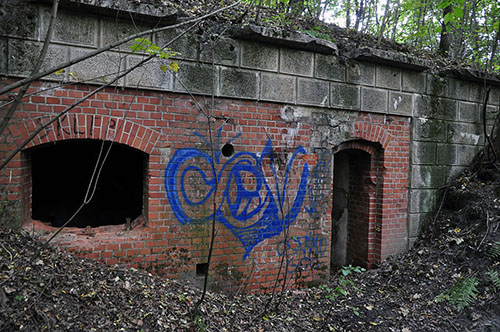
(58, 292)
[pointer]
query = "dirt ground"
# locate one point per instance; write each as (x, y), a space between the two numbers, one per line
(58, 292)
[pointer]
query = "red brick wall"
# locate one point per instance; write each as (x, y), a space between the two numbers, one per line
(248, 247)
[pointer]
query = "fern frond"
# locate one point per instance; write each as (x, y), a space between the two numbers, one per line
(494, 250)
(495, 279)
(462, 294)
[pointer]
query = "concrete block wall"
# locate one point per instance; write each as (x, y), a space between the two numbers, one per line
(423, 128)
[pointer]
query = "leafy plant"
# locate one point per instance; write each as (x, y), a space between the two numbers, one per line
(495, 279)
(462, 294)
(346, 283)
(494, 250)
(144, 44)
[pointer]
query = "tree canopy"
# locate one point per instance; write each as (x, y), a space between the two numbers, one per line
(463, 31)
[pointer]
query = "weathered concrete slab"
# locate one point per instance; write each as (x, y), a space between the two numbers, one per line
(374, 100)
(468, 112)
(149, 75)
(296, 62)
(360, 73)
(345, 96)
(424, 153)
(257, 56)
(71, 28)
(413, 81)
(238, 83)
(226, 52)
(329, 67)
(388, 77)
(390, 58)
(96, 69)
(195, 78)
(18, 19)
(400, 103)
(295, 40)
(458, 89)
(186, 45)
(276, 87)
(312, 92)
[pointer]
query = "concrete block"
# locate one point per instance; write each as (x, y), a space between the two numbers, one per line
(458, 89)
(436, 86)
(100, 68)
(296, 62)
(424, 152)
(56, 55)
(422, 200)
(388, 77)
(491, 114)
(434, 107)
(312, 92)
(360, 73)
(113, 31)
(345, 96)
(195, 78)
(258, 56)
(468, 112)
(329, 67)
(226, 52)
(416, 221)
(400, 103)
(454, 171)
(187, 45)
(427, 176)
(430, 130)
(22, 56)
(239, 83)
(476, 92)
(373, 100)
(466, 154)
(18, 18)
(3, 56)
(148, 75)
(72, 28)
(276, 87)
(446, 154)
(494, 97)
(460, 134)
(413, 81)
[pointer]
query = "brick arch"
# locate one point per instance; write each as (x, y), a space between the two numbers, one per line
(86, 126)
(372, 133)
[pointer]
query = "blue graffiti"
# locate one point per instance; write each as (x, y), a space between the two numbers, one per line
(248, 207)
(303, 252)
(316, 192)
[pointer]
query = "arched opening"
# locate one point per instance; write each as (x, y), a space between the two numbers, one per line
(352, 207)
(61, 174)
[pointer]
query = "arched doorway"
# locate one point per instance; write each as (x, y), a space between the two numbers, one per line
(354, 205)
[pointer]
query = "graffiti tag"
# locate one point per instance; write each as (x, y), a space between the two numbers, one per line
(249, 206)
(303, 252)
(315, 203)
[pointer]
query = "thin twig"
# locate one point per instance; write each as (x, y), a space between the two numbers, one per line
(487, 230)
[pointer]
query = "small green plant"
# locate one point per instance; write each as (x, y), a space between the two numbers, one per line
(462, 294)
(495, 279)
(202, 326)
(346, 283)
(316, 32)
(494, 250)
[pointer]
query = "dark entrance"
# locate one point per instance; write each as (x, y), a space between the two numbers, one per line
(351, 207)
(61, 174)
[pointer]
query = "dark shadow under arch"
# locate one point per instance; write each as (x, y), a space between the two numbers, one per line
(61, 173)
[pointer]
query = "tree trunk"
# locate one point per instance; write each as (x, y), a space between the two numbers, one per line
(445, 41)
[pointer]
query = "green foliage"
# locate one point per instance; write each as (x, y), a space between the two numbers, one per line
(495, 279)
(147, 46)
(494, 250)
(200, 322)
(346, 283)
(462, 294)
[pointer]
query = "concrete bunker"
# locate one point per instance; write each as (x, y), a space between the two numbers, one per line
(61, 173)
(354, 205)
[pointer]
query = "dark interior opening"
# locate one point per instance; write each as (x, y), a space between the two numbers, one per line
(351, 209)
(60, 177)
(201, 269)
